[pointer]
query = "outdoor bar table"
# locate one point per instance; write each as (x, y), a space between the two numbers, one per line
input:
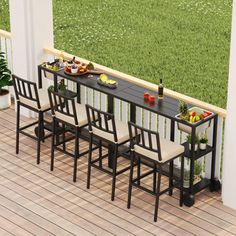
(167, 107)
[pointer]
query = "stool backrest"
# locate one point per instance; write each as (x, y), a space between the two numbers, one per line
(25, 89)
(144, 138)
(62, 106)
(101, 120)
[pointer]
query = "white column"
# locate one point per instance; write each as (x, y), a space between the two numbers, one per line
(32, 30)
(229, 161)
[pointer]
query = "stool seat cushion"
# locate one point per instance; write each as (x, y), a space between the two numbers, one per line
(43, 99)
(169, 150)
(81, 116)
(121, 130)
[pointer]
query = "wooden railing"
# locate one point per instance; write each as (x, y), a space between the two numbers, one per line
(5, 46)
(144, 117)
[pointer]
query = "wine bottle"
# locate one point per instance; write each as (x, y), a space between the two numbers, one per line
(161, 90)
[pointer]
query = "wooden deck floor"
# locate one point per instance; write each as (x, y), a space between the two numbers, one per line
(35, 201)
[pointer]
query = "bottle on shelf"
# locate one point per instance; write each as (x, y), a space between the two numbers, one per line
(161, 90)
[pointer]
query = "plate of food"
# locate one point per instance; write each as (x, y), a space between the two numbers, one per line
(75, 70)
(104, 80)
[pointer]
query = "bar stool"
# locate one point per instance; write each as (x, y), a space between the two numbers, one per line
(150, 148)
(27, 95)
(73, 118)
(106, 129)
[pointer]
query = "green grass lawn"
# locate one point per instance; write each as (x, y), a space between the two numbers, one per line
(185, 42)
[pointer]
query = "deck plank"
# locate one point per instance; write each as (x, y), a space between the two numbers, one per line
(34, 200)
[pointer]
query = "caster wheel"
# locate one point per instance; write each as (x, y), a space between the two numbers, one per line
(188, 200)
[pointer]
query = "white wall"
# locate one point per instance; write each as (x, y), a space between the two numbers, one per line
(32, 30)
(229, 162)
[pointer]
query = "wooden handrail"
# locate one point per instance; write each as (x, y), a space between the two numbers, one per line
(5, 34)
(220, 111)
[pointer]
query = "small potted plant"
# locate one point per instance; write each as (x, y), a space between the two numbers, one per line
(189, 141)
(203, 142)
(5, 80)
(197, 172)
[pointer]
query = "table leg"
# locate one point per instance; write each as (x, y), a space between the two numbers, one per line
(214, 183)
(110, 109)
(132, 113)
(55, 82)
(39, 78)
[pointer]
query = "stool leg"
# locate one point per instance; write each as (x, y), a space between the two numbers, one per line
(155, 178)
(76, 153)
(138, 170)
(53, 143)
(89, 161)
(42, 128)
(64, 137)
(100, 153)
(181, 182)
(17, 127)
(114, 173)
(157, 195)
(171, 169)
(40, 120)
(130, 178)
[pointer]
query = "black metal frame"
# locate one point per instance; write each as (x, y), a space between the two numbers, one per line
(28, 90)
(133, 94)
(137, 137)
(66, 106)
(100, 120)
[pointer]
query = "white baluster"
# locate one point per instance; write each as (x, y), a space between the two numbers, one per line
(97, 99)
(161, 126)
(139, 116)
(90, 96)
(124, 111)
(146, 119)
(117, 109)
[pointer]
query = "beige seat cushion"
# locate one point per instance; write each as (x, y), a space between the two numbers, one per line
(43, 99)
(122, 131)
(81, 116)
(169, 150)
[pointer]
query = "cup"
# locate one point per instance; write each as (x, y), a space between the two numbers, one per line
(146, 96)
(152, 99)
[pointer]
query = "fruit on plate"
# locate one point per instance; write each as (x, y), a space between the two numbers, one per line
(103, 78)
(90, 66)
(82, 70)
(110, 81)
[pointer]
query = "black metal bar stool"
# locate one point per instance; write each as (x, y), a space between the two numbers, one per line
(73, 118)
(107, 130)
(27, 95)
(155, 152)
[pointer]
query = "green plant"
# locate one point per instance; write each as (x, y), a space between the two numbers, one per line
(183, 109)
(51, 88)
(203, 139)
(197, 168)
(189, 139)
(5, 73)
(61, 85)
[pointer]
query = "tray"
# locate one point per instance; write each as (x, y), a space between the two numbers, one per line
(95, 72)
(201, 128)
(111, 86)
